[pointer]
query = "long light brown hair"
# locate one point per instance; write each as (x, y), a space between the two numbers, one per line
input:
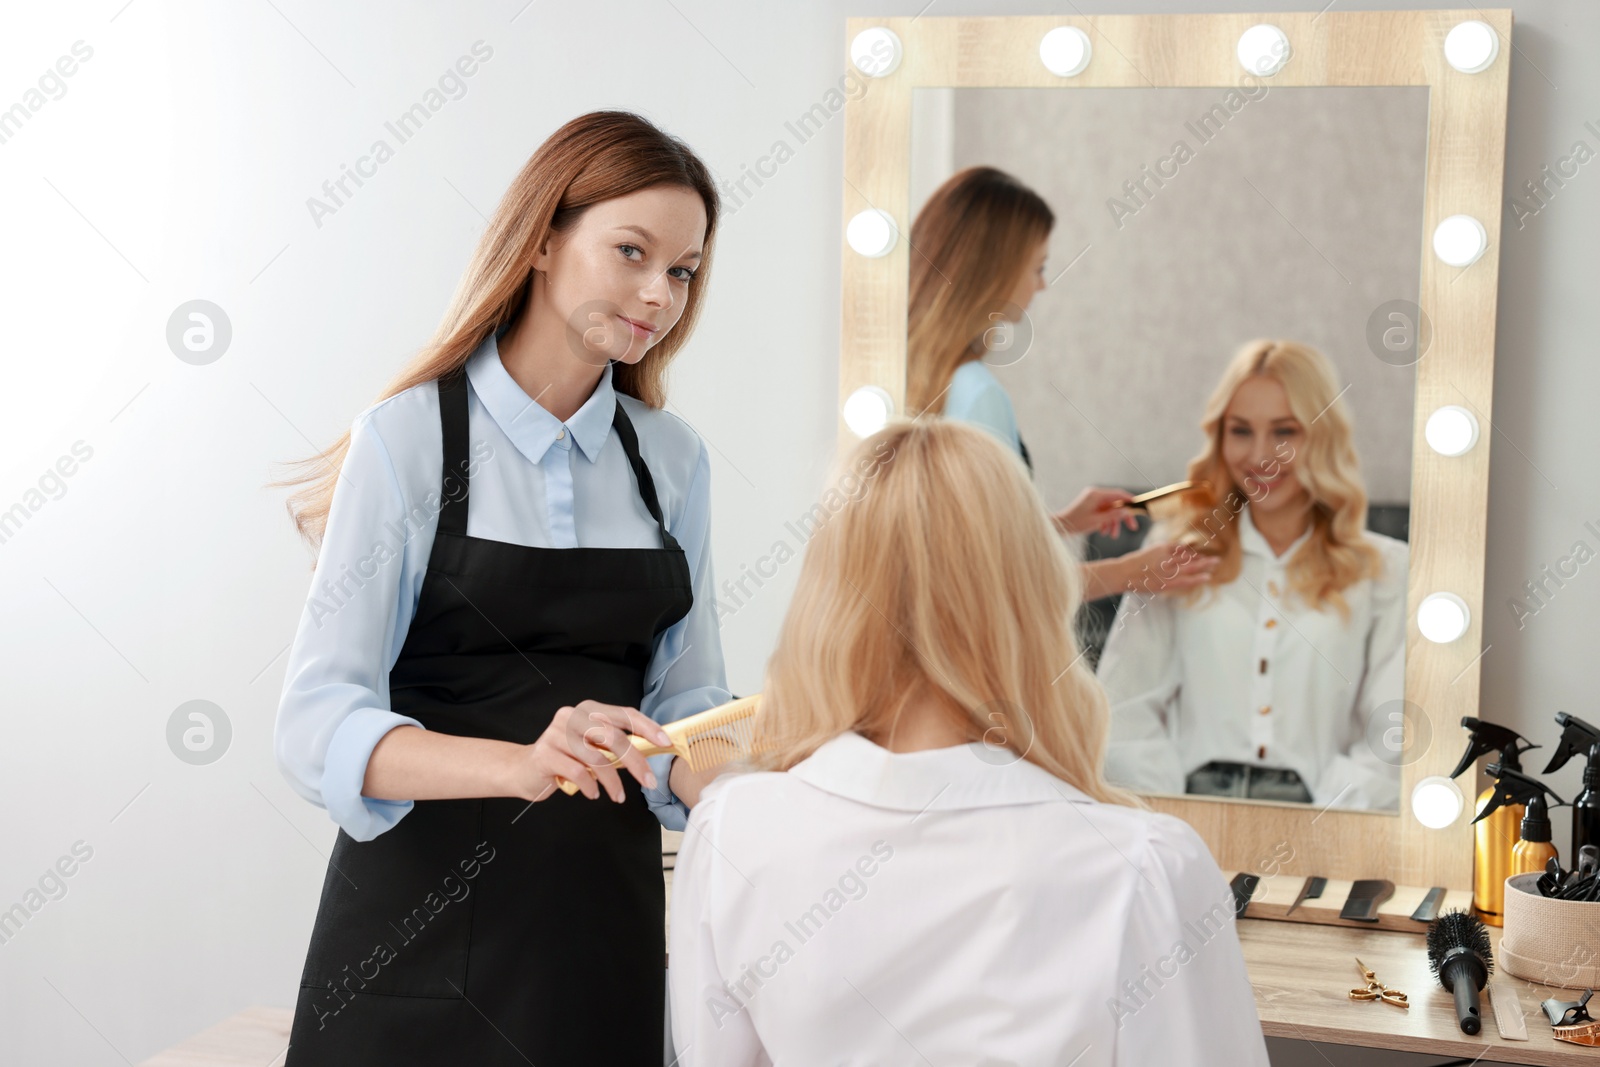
(594, 157)
(943, 574)
(1338, 552)
(969, 247)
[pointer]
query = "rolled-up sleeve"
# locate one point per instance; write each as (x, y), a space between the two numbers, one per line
(335, 702)
(686, 673)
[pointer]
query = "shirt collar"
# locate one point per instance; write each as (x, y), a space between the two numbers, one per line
(1250, 539)
(974, 775)
(532, 428)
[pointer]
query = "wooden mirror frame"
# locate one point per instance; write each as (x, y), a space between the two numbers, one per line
(1449, 495)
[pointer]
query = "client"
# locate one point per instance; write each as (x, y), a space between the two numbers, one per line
(922, 860)
(1282, 680)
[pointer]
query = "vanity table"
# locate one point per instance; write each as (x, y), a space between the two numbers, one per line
(1301, 972)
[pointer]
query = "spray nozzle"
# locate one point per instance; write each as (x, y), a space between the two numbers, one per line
(1487, 737)
(1511, 786)
(1577, 737)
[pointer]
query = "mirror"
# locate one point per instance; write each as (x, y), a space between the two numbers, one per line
(1188, 222)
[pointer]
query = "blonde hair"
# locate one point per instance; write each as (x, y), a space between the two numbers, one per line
(1338, 553)
(942, 572)
(970, 245)
(594, 157)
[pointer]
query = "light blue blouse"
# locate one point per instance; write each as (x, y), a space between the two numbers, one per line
(976, 395)
(530, 487)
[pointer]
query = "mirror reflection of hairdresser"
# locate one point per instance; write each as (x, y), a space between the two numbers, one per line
(514, 568)
(1279, 681)
(923, 856)
(981, 242)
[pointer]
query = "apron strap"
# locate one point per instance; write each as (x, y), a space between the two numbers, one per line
(647, 486)
(453, 420)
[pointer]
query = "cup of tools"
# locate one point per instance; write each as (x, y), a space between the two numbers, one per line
(1549, 940)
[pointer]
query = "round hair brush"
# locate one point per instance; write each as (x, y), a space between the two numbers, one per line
(1459, 956)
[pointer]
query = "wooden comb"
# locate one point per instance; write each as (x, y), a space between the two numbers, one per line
(706, 740)
(1165, 491)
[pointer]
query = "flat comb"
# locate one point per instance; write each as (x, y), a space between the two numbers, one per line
(706, 740)
(1165, 491)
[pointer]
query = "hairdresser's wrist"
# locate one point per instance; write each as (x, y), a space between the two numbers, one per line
(1106, 577)
(680, 782)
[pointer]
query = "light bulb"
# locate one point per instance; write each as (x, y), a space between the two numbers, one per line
(872, 233)
(1443, 617)
(1264, 49)
(1065, 51)
(1437, 802)
(876, 52)
(1471, 47)
(867, 410)
(1459, 240)
(1452, 430)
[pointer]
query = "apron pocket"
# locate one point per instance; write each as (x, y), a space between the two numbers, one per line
(396, 912)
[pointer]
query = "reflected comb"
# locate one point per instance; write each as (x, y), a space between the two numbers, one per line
(1166, 490)
(706, 740)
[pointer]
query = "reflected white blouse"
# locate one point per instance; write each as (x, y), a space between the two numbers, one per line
(1251, 674)
(954, 905)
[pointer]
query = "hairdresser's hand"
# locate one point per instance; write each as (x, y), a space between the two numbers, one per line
(1098, 509)
(578, 746)
(1172, 567)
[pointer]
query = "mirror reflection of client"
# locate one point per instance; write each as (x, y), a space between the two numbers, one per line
(907, 864)
(1282, 680)
(979, 246)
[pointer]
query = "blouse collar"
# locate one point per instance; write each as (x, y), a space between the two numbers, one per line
(973, 775)
(1251, 540)
(532, 428)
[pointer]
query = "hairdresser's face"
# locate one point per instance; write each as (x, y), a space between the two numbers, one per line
(620, 277)
(1260, 440)
(1031, 282)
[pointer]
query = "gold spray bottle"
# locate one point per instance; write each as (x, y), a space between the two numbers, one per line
(1534, 849)
(1498, 826)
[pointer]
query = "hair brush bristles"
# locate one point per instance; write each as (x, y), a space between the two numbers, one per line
(1456, 930)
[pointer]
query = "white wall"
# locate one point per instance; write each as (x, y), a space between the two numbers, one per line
(176, 166)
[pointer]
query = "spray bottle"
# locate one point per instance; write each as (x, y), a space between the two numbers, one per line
(1534, 848)
(1578, 736)
(1586, 808)
(1498, 828)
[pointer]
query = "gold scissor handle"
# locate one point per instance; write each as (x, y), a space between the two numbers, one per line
(1378, 991)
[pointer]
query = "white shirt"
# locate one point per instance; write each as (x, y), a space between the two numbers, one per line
(1252, 674)
(954, 905)
(530, 486)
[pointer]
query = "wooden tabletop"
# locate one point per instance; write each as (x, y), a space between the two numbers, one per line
(256, 1037)
(1302, 974)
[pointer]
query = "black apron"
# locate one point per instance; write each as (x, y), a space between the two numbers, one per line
(498, 931)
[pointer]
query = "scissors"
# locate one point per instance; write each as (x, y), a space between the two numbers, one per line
(1376, 990)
